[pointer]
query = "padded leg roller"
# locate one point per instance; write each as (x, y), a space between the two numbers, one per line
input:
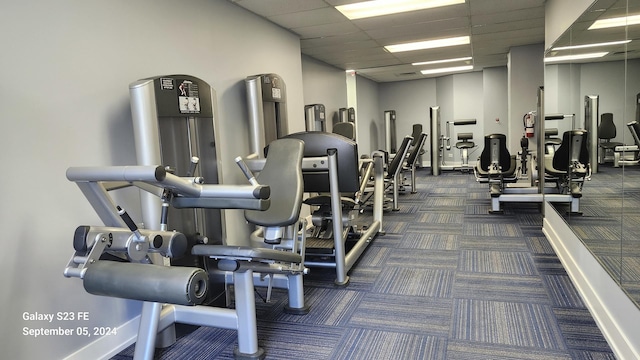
(146, 282)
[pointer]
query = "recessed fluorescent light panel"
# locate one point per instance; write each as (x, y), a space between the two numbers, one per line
(428, 44)
(591, 45)
(442, 61)
(615, 22)
(575, 57)
(446, 70)
(373, 8)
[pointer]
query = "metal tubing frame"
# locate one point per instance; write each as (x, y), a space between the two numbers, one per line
(256, 114)
(345, 261)
(591, 115)
(155, 318)
(435, 140)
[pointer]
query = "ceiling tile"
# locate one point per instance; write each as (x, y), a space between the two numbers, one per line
(266, 8)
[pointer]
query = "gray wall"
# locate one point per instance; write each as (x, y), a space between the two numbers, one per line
(324, 84)
(477, 95)
(571, 83)
(369, 119)
(526, 75)
(66, 67)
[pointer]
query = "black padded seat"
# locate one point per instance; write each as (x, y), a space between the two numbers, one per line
(325, 200)
(464, 143)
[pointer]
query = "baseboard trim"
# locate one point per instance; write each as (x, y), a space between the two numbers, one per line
(106, 347)
(616, 315)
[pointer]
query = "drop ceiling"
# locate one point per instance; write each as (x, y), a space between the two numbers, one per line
(325, 34)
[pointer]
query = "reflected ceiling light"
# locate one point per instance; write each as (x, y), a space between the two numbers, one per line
(441, 61)
(373, 8)
(615, 22)
(591, 45)
(428, 44)
(575, 57)
(445, 70)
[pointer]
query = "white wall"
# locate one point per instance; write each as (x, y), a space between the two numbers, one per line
(559, 15)
(496, 117)
(324, 84)
(567, 85)
(526, 75)
(477, 95)
(369, 119)
(411, 100)
(66, 69)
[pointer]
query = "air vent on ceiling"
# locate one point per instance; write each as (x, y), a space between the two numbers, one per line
(407, 74)
(622, 52)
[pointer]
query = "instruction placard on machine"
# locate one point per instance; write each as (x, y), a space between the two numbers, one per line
(188, 97)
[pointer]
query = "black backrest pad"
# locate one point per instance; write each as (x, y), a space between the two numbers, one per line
(573, 148)
(501, 152)
(316, 143)
(283, 173)
(634, 127)
(398, 159)
(411, 159)
(607, 129)
(346, 129)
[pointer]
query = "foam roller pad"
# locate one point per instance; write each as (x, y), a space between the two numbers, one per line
(146, 282)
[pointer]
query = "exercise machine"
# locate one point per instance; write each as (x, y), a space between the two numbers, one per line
(347, 114)
(441, 143)
(331, 169)
(553, 177)
(390, 131)
(173, 294)
(630, 154)
(267, 107)
(173, 120)
(411, 163)
(173, 125)
(315, 117)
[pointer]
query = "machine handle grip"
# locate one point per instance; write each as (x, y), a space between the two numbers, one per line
(193, 163)
(130, 224)
(247, 172)
(465, 122)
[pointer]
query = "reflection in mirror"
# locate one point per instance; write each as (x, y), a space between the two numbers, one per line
(599, 66)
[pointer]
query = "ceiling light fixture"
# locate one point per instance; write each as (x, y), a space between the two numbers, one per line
(615, 22)
(591, 45)
(446, 70)
(441, 61)
(428, 44)
(373, 8)
(575, 57)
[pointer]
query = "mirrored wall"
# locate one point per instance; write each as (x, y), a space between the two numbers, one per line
(594, 70)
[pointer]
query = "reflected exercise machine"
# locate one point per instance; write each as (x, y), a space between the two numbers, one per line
(554, 177)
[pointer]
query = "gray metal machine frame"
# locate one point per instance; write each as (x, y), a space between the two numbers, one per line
(96, 183)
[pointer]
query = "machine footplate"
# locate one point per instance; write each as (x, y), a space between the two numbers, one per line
(319, 246)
